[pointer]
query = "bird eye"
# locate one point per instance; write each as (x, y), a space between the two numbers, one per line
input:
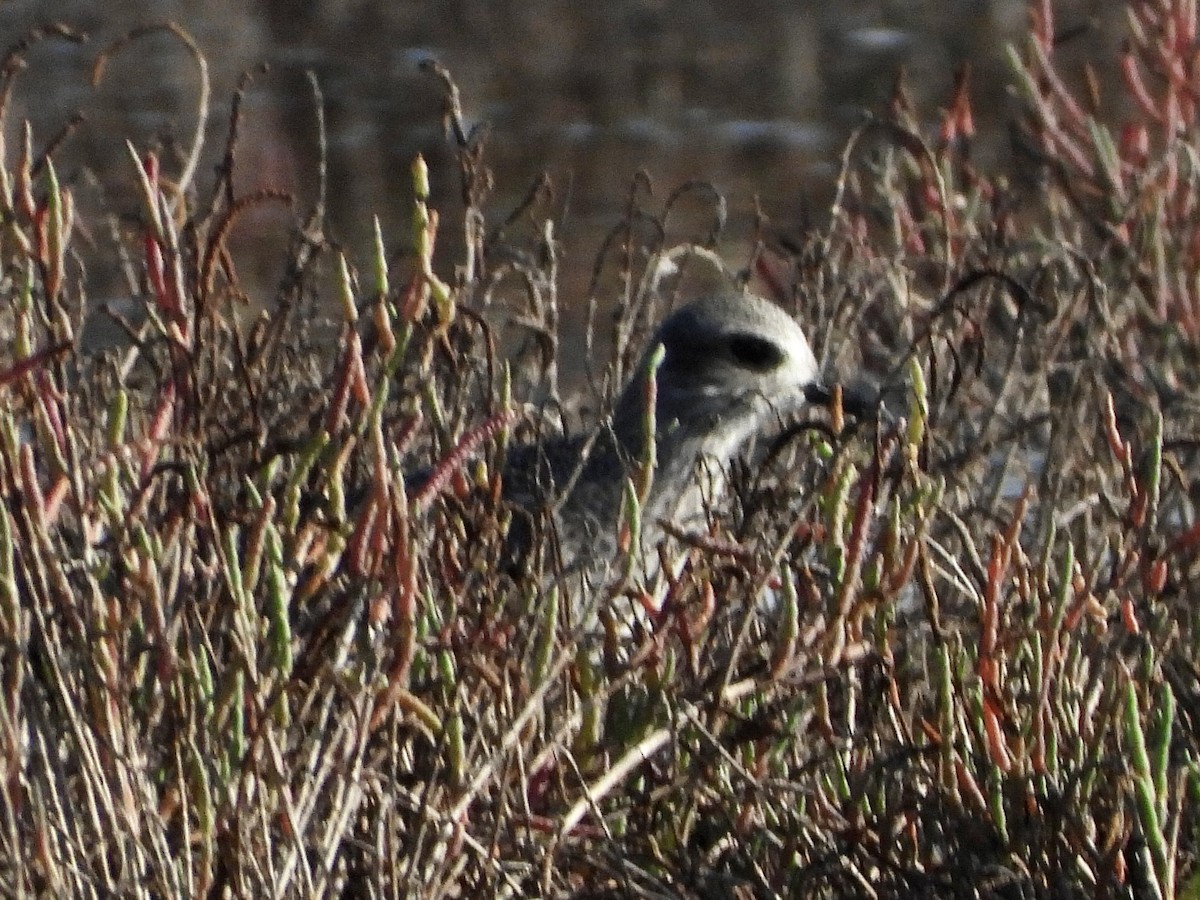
(753, 352)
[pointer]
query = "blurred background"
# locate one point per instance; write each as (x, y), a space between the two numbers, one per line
(756, 96)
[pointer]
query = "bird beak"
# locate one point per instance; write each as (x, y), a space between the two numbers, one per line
(860, 401)
(816, 392)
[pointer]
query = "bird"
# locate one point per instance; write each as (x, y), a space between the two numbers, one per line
(720, 369)
(724, 368)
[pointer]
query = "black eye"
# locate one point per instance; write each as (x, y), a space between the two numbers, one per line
(753, 352)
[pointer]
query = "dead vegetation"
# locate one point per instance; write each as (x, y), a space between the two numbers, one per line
(238, 659)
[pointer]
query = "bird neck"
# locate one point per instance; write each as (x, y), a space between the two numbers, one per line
(685, 430)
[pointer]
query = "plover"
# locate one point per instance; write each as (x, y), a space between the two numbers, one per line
(725, 368)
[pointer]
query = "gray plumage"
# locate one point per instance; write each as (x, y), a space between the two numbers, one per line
(731, 366)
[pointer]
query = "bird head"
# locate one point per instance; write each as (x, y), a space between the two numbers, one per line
(729, 365)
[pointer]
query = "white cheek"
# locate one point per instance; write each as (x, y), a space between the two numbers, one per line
(802, 365)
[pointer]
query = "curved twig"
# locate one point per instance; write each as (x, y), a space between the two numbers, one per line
(13, 60)
(202, 102)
